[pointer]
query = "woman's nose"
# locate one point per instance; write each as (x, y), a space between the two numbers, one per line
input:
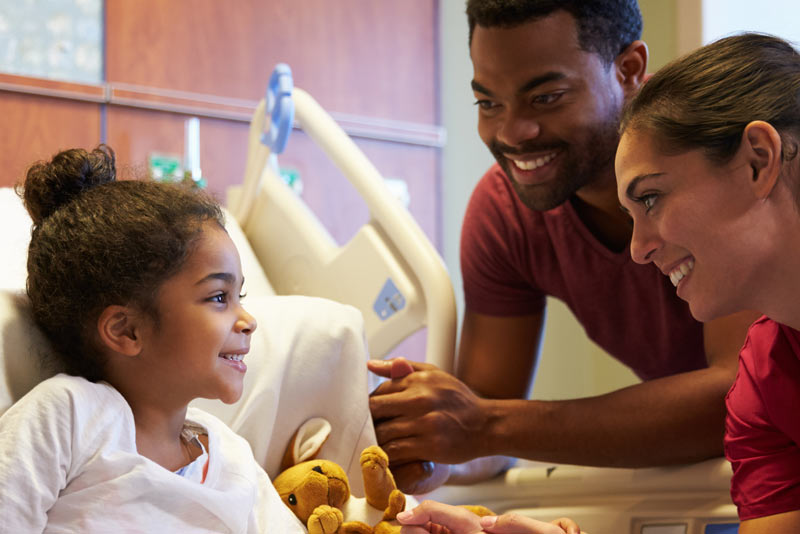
(644, 242)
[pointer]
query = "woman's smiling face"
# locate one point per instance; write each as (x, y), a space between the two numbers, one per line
(693, 220)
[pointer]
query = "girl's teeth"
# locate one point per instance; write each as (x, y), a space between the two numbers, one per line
(233, 357)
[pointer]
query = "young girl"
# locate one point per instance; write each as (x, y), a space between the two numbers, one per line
(136, 285)
(708, 168)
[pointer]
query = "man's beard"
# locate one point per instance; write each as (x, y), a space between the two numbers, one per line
(579, 165)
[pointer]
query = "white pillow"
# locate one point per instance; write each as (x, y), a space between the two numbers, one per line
(24, 360)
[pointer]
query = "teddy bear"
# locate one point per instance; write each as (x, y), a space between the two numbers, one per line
(318, 491)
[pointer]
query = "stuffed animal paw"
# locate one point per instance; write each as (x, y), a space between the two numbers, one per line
(325, 520)
(381, 490)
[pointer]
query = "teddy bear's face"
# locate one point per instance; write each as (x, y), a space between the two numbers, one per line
(310, 484)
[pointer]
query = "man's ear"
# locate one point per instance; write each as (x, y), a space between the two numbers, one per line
(119, 329)
(762, 150)
(631, 67)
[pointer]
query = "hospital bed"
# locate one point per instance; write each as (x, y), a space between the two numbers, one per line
(393, 275)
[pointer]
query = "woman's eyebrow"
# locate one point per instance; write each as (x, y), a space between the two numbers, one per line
(635, 182)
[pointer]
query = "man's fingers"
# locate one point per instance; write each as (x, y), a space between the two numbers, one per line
(399, 367)
(415, 478)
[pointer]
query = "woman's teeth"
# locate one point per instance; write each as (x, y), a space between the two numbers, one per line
(682, 270)
(233, 357)
(533, 164)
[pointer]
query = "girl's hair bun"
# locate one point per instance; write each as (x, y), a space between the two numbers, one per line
(52, 184)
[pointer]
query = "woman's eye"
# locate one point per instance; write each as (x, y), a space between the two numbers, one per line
(648, 201)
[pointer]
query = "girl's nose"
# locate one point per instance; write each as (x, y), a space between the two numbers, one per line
(246, 324)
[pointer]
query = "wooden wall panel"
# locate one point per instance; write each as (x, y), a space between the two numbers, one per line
(36, 127)
(135, 133)
(367, 57)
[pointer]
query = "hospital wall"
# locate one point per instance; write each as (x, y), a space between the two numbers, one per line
(372, 65)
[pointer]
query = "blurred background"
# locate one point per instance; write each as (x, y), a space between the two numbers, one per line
(394, 74)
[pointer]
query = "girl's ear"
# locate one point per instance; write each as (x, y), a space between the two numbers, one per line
(762, 147)
(119, 329)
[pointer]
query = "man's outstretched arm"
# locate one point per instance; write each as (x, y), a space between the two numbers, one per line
(432, 415)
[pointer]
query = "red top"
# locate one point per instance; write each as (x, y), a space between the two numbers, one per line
(512, 257)
(762, 430)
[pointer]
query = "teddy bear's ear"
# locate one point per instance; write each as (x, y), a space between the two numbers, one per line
(306, 442)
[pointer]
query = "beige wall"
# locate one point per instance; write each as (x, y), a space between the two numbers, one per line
(571, 365)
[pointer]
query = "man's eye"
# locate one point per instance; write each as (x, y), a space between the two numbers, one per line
(485, 105)
(547, 98)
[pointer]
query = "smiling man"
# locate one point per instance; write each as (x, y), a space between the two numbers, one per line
(550, 80)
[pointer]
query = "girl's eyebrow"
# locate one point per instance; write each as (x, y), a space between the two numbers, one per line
(636, 180)
(225, 277)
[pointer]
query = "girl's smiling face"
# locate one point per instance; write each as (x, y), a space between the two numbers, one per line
(692, 219)
(203, 332)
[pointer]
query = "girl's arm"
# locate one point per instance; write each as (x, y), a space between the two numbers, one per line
(35, 451)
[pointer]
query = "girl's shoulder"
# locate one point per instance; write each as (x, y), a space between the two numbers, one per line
(69, 403)
(63, 388)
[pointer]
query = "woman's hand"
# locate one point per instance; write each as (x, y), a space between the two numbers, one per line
(433, 517)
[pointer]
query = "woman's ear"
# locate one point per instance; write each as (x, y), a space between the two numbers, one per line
(762, 148)
(631, 67)
(119, 329)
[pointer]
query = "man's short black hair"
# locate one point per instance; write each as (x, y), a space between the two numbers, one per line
(605, 27)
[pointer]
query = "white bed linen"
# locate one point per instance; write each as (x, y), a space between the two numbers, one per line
(68, 463)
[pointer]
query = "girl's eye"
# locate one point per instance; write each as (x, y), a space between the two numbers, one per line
(219, 298)
(242, 295)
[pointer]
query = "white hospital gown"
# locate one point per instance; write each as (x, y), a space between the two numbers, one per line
(68, 463)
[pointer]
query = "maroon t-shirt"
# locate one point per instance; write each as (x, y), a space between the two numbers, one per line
(762, 430)
(512, 257)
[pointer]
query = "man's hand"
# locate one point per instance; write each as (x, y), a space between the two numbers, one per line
(424, 415)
